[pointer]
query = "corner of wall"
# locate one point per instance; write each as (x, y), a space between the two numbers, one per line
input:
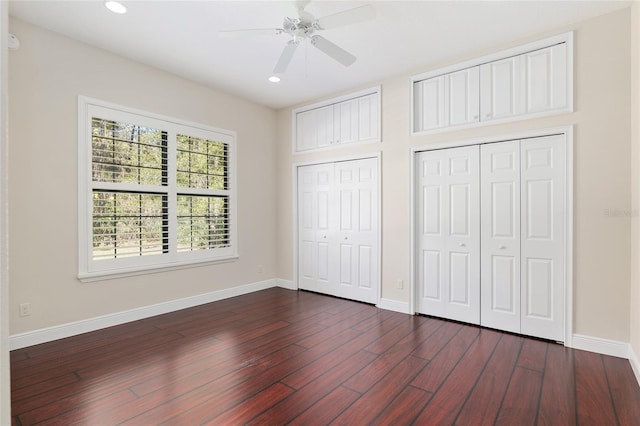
(634, 297)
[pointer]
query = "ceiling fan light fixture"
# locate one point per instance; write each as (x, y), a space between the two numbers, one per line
(115, 7)
(274, 79)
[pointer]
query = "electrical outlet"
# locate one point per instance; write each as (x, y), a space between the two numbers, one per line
(400, 284)
(259, 269)
(25, 309)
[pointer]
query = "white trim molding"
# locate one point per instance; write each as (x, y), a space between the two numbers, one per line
(288, 284)
(61, 331)
(635, 363)
(394, 305)
(599, 345)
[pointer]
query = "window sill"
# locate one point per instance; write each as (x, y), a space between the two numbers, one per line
(87, 277)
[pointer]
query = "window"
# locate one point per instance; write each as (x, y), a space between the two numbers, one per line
(155, 192)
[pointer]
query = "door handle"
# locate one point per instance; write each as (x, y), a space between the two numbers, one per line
(502, 247)
(463, 245)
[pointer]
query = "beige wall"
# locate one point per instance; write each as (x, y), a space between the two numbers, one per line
(601, 175)
(47, 74)
(635, 179)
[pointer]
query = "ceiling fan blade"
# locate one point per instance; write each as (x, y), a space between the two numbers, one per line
(285, 57)
(351, 16)
(249, 33)
(333, 50)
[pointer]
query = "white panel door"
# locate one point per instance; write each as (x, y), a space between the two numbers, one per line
(463, 96)
(356, 192)
(324, 126)
(429, 97)
(542, 169)
(338, 229)
(315, 204)
(500, 235)
(501, 89)
(449, 233)
(368, 114)
(346, 121)
(546, 79)
(306, 130)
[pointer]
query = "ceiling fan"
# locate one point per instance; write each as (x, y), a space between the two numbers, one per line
(306, 26)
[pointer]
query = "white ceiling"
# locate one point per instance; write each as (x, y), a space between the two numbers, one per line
(406, 37)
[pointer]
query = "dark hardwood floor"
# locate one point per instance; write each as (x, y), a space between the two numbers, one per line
(284, 357)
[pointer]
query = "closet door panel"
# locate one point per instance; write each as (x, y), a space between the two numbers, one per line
(314, 215)
(500, 210)
(356, 182)
(543, 237)
(433, 219)
(449, 264)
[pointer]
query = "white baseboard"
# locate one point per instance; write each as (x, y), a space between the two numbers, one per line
(48, 334)
(635, 363)
(394, 305)
(601, 346)
(288, 284)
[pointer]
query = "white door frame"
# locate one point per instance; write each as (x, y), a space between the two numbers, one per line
(376, 155)
(567, 131)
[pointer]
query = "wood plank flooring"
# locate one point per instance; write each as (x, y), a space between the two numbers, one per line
(280, 357)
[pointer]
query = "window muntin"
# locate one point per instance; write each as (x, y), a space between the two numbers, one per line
(155, 192)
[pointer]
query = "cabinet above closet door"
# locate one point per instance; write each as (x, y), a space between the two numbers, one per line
(448, 100)
(501, 89)
(315, 128)
(545, 87)
(525, 84)
(533, 79)
(349, 119)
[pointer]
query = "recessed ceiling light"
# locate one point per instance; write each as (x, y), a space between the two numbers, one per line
(115, 6)
(274, 79)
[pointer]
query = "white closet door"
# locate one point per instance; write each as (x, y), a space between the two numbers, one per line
(500, 235)
(542, 165)
(449, 233)
(315, 200)
(357, 236)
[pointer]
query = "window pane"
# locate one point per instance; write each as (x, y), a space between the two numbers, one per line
(202, 163)
(127, 153)
(203, 222)
(129, 224)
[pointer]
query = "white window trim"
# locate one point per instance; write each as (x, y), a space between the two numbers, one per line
(90, 270)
